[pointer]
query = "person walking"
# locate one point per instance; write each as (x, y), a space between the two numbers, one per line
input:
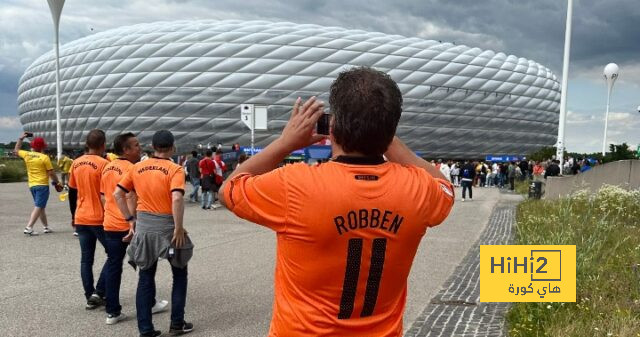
(85, 177)
(446, 171)
(511, 175)
(553, 170)
(319, 284)
(455, 174)
(158, 231)
(468, 176)
(193, 170)
(64, 165)
(207, 179)
(117, 231)
(39, 171)
(538, 171)
(220, 169)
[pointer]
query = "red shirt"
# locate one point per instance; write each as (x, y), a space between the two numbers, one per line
(207, 167)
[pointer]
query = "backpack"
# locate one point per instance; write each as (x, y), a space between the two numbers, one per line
(466, 173)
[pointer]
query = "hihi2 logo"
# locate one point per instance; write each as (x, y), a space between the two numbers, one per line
(534, 273)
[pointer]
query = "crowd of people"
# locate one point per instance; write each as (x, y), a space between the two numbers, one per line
(469, 174)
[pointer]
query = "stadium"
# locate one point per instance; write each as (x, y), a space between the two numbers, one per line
(191, 77)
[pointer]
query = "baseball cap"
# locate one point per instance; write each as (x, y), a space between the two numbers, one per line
(38, 144)
(162, 139)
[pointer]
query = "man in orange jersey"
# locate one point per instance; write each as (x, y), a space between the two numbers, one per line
(348, 229)
(159, 232)
(116, 228)
(85, 175)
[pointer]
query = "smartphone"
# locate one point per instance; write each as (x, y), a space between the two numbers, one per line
(323, 124)
(29, 134)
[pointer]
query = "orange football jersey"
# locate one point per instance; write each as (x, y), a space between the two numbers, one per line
(154, 180)
(85, 176)
(111, 176)
(347, 233)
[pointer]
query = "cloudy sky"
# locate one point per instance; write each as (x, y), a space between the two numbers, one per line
(603, 32)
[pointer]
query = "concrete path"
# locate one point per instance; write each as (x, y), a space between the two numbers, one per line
(230, 276)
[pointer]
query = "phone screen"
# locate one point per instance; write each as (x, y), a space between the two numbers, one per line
(29, 134)
(323, 124)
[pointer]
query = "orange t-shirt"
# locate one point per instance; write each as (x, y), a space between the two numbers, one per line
(85, 177)
(347, 233)
(111, 175)
(154, 180)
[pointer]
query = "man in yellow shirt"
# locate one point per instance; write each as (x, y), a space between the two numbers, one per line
(39, 170)
(64, 165)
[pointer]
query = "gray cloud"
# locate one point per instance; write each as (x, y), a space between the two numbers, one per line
(603, 31)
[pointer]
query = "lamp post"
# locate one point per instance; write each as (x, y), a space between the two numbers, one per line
(610, 75)
(565, 84)
(55, 6)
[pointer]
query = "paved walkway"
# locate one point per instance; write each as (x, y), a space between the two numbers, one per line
(230, 276)
(456, 310)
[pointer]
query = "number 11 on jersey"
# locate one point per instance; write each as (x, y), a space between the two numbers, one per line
(352, 272)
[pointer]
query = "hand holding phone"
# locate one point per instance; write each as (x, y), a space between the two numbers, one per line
(28, 134)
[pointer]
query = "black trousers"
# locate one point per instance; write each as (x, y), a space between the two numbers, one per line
(466, 184)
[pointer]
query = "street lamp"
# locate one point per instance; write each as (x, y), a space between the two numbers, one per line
(610, 75)
(565, 84)
(56, 9)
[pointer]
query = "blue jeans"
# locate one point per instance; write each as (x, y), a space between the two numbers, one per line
(116, 251)
(146, 294)
(88, 235)
(195, 182)
(207, 199)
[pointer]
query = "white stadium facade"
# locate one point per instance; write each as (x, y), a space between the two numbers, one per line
(191, 77)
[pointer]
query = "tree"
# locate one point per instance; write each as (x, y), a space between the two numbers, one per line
(619, 152)
(543, 154)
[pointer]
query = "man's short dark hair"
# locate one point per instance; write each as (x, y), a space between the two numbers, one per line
(194, 154)
(120, 143)
(162, 141)
(96, 139)
(366, 105)
(209, 153)
(219, 151)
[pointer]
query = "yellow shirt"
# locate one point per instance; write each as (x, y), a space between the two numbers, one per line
(65, 164)
(37, 166)
(111, 156)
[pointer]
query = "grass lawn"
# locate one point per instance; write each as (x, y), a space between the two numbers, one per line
(606, 231)
(12, 170)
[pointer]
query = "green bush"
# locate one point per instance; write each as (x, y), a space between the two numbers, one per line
(605, 228)
(12, 171)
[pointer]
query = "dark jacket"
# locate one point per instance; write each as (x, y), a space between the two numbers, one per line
(552, 171)
(192, 168)
(472, 171)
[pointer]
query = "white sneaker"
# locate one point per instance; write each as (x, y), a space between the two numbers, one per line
(216, 206)
(112, 319)
(462, 199)
(160, 306)
(29, 231)
(47, 230)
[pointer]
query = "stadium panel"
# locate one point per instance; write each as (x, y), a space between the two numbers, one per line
(191, 76)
